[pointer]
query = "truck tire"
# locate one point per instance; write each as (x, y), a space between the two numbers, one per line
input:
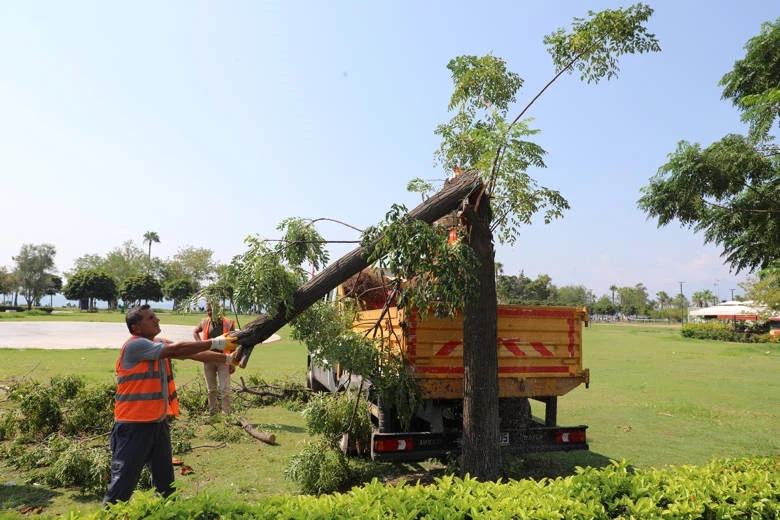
(313, 384)
(515, 413)
(387, 420)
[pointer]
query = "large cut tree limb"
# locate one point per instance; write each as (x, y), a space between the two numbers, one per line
(270, 438)
(448, 199)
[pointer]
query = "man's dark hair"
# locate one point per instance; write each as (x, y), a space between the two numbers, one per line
(134, 316)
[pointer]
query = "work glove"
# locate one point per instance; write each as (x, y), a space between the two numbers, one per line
(234, 358)
(224, 343)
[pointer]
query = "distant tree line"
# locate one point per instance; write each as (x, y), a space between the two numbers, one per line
(625, 301)
(127, 273)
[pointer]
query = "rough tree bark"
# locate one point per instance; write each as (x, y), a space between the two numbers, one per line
(454, 191)
(480, 452)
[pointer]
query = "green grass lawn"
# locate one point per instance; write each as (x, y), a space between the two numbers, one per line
(658, 399)
(655, 399)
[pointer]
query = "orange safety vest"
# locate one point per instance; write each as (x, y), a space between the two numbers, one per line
(204, 327)
(139, 395)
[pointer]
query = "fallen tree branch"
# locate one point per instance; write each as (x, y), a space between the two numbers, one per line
(252, 391)
(270, 438)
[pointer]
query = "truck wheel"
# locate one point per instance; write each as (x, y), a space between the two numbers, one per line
(514, 412)
(387, 422)
(313, 384)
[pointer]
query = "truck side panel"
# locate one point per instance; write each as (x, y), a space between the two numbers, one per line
(539, 350)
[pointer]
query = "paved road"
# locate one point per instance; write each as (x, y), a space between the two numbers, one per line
(72, 335)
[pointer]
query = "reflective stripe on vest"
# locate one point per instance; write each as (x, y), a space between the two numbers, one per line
(139, 396)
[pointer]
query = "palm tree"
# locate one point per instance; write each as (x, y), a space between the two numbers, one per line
(663, 299)
(151, 236)
(613, 288)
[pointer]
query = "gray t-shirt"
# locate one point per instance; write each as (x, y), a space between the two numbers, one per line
(141, 350)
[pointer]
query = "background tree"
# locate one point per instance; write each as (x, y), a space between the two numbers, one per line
(731, 190)
(699, 298)
(91, 285)
(604, 306)
(53, 286)
(481, 137)
(540, 291)
(766, 287)
(125, 261)
(139, 287)
(33, 266)
(680, 303)
(613, 289)
(195, 263)
(511, 289)
(120, 262)
(179, 290)
(8, 283)
(149, 238)
(574, 295)
(633, 300)
(663, 299)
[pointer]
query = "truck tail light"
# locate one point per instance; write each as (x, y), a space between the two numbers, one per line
(389, 445)
(573, 437)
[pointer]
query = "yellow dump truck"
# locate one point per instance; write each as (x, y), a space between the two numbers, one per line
(540, 358)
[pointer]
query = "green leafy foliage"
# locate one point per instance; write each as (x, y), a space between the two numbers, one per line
(192, 398)
(332, 415)
(49, 432)
(728, 192)
(85, 467)
(92, 284)
(179, 289)
(725, 488)
(319, 468)
(719, 331)
(262, 279)
(34, 264)
(40, 409)
(440, 277)
(729, 189)
(479, 136)
(331, 418)
(752, 84)
(766, 287)
(327, 332)
(596, 43)
(90, 410)
(265, 278)
(289, 393)
(139, 287)
(302, 243)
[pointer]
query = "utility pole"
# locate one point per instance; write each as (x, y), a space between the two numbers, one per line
(732, 294)
(717, 291)
(682, 297)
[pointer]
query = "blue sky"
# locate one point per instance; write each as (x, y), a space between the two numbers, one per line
(207, 122)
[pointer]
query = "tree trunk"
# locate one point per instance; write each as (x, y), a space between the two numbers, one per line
(260, 329)
(480, 452)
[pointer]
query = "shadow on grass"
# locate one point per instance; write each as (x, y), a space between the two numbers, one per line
(515, 466)
(290, 429)
(551, 465)
(16, 498)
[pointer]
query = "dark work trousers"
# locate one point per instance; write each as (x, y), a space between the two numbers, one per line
(134, 445)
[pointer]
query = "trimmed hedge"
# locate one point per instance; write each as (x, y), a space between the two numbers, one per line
(23, 308)
(716, 330)
(725, 488)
